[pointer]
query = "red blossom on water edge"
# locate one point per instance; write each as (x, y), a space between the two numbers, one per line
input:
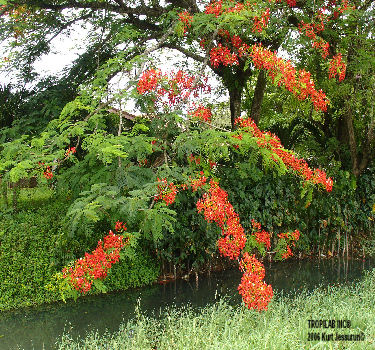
(255, 293)
(216, 207)
(95, 265)
(261, 236)
(290, 238)
(288, 253)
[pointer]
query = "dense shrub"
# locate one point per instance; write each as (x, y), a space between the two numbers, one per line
(325, 221)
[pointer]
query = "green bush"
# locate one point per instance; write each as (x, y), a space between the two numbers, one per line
(27, 251)
(31, 252)
(132, 272)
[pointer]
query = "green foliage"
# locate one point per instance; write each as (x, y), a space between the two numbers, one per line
(276, 202)
(94, 205)
(139, 270)
(27, 253)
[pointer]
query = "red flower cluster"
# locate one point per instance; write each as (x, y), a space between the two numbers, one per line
(288, 253)
(186, 18)
(345, 6)
(290, 237)
(216, 7)
(120, 226)
(239, 137)
(322, 46)
(216, 208)
(262, 22)
(69, 151)
(142, 162)
(272, 142)
(299, 83)
(166, 192)
(256, 294)
(202, 113)
(176, 88)
(261, 236)
(256, 225)
(198, 183)
(48, 173)
(295, 235)
(222, 54)
(337, 67)
(236, 41)
(192, 159)
(311, 29)
(211, 163)
(95, 265)
(291, 3)
(148, 81)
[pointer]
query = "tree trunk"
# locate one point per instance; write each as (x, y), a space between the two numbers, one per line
(235, 84)
(352, 141)
(235, 104)
(359, 161)
(256, 105)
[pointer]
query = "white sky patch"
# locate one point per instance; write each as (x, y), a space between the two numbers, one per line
(64, 51)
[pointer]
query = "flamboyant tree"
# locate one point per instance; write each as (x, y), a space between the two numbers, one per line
(89, 145)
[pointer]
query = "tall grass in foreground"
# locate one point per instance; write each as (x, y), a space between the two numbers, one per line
(221, 326)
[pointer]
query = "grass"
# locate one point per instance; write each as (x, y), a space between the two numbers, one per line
(222, 326)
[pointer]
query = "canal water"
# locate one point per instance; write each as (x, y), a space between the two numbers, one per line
(40, 327)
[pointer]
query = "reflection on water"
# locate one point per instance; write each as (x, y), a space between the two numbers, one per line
(42, 326)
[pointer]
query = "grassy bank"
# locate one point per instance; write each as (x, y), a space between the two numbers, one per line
(221, 326)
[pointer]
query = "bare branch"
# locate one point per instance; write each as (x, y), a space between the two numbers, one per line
(184, 51)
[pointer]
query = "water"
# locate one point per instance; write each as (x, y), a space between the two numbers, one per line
(41, 327)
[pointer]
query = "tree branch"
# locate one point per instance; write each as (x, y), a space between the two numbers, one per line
(184, 51)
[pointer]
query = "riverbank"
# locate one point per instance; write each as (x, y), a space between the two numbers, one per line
(222, 326)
